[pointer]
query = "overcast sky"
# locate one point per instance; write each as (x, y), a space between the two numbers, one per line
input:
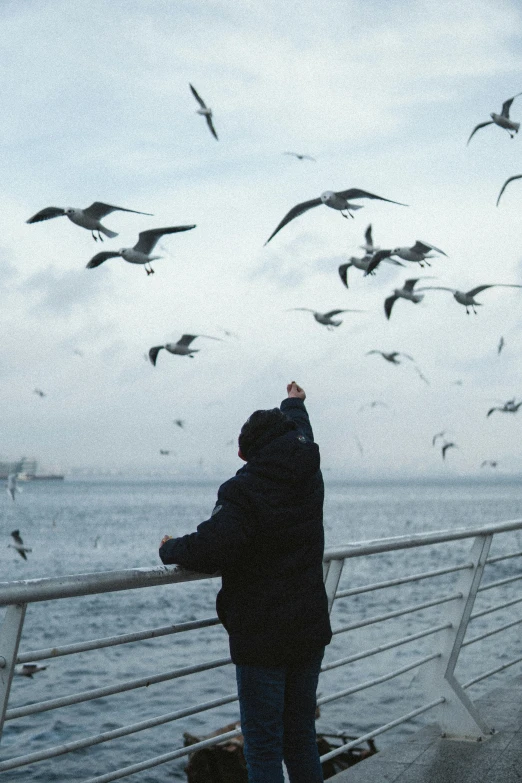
(97, 107)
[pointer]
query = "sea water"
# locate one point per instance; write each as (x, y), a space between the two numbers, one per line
(85, 526)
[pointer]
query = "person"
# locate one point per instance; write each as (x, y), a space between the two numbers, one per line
(266, 537)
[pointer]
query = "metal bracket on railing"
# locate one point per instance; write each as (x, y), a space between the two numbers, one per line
(458, 716)
(10, 633)
(332, 571)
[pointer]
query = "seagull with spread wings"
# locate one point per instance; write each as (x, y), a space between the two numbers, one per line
(364, 262)
(467, 298)
(204, 110)
(327, 319)
(141, 252)
(88, 218)
(339, 200)
(19, 544)
(502, 120)
(181, 348)
(508, 407)
(447, 445)
(419, 253)
(300, 156)
(392, 357)
(406, 292)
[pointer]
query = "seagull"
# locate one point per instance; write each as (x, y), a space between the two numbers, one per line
(336, 200)
(419, 252)
(164, 452)
(39, 392)
(446, 446)
(437, 436)
(510, 179)
(373, 404)
(140, 253)
(327, 319)
(300, 156)
(11, 488)
(490, 463)
(467, 298)
(205, 111)
(28, 669)
(179, 423)
(88, 218)
(181, 348)
(502, 120)
(361, 263)
(392, 357)
(19, 544)
(501, 344)
(509, 407)
(368, 246)
(406, 292)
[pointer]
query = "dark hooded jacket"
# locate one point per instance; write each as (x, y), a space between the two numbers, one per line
(266, 538)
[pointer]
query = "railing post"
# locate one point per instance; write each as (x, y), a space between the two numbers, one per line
(10, 633)
(458, 716)
(332, 571)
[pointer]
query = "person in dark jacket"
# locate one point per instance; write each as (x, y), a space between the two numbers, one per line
(266, 537)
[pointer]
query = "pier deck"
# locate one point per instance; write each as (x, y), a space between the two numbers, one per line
(426, 757)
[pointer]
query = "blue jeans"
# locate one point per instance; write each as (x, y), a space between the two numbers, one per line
(277, 707)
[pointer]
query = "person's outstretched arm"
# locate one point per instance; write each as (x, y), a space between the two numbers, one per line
(294, 408)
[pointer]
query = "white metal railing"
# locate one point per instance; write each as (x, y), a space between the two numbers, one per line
(444, 694)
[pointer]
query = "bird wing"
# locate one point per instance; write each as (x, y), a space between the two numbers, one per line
(308, 309)
(446, 447)
(409, 285)
(500, 345)
(211, 126)
(147, 239)
(368, 236)
(425, 247)
(197, 97)
(22, 553)
(374, 351)
(294, 212)
(491, 411)
(186, 339)
(17, 537)
(478, 289)
(436, 288)
(99, 258)
(46, 214)
(507, 105)
(331, 313)
(509, 179)
(98, 210)
(343, 273)
(357, 193)
(390, 260)
(153, 353)
(388, 304)
(377, 257)
(478, 127)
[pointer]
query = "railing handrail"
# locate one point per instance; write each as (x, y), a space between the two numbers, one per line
(49, 588)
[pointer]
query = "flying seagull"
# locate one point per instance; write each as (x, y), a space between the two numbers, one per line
(368, 245)
(181, 348)
(467, 298)
(39, 392)
(300, 156)
(506, 183)
(205, 111)
(500, 345)
(392, 358)
(446, 446)
(19, 544)
(165, 452)
(419, 252)
(141, 252)
(88, 218)
(502, 120)
(406, 292)
(179, 423)
(437, 436)
(361, 263)
(327, 319)
(509, 407)
(489, 463)
(336, 200)
(28, 669)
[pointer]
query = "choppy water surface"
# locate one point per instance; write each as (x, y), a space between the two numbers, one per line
(87, 526)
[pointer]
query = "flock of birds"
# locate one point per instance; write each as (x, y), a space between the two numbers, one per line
(345, 202)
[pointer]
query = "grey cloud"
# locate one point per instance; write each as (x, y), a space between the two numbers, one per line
(60, 292)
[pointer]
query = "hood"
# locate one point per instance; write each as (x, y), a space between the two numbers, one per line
(289, 458)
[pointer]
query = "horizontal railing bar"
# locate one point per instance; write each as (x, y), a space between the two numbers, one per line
(383, 647)
(492, 671)
(111, 641)
(495, 608)
(87, 742)
(386, 727)
(498, 558)
(491, 633)
(400, 581)
(396, 613)
(500, 582)
(53, 587)
(155, 762)
(110, 690)
(375, 546)
(377, 680)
